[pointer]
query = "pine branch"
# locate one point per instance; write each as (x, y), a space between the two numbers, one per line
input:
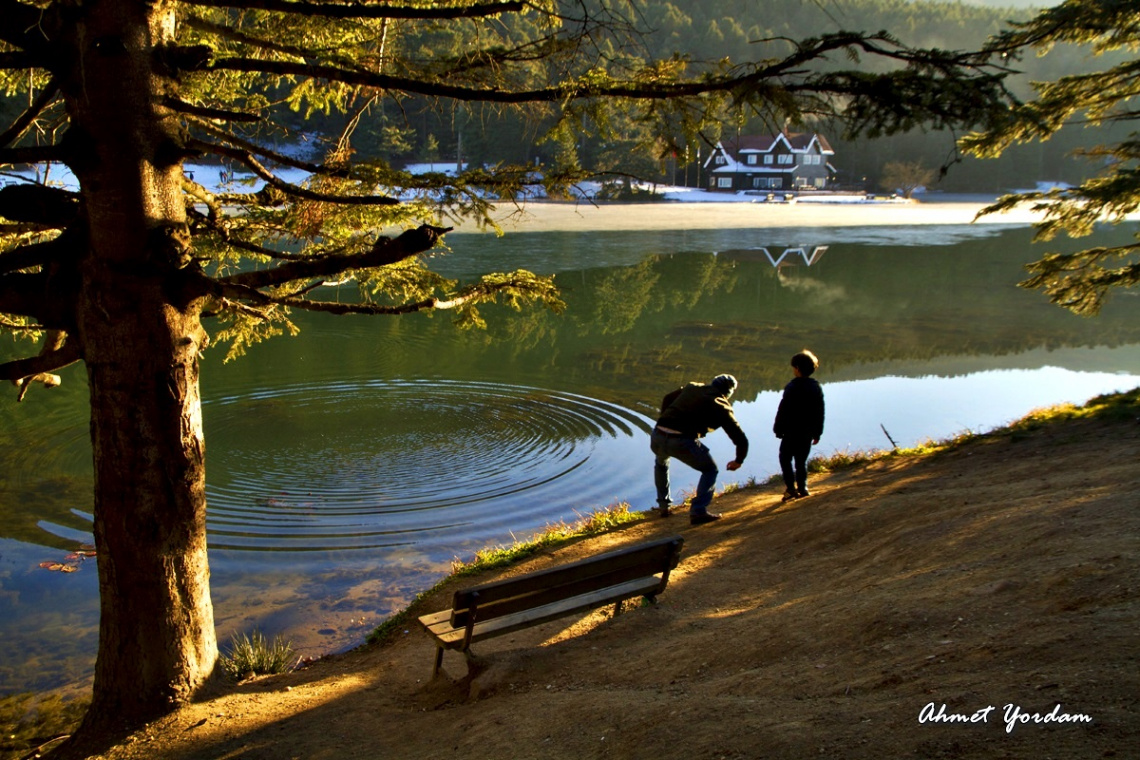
(211, 222)
(383, 252)
(427, 304)
(754, 80)
(473, 294)
(365, 9)
(33, 154)
(233, 35)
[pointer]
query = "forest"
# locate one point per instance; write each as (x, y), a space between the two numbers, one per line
(418, 130)
(406, 130)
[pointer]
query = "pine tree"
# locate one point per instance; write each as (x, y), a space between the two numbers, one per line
(1079, 281)
(126, 273)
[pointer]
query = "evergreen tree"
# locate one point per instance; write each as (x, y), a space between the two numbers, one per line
(126, 273)
(1104, 100)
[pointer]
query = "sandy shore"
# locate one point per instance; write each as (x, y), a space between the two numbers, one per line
(544, 216)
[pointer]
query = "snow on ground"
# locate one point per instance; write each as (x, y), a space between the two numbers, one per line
(217, 178)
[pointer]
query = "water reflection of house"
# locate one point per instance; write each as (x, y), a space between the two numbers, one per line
(770, 162)
(787, 257)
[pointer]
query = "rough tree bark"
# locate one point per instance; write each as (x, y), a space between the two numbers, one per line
(137, 322)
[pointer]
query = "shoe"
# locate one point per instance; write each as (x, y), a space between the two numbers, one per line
(802, 493)
(789, 495)
(663, 511)
(703, 517)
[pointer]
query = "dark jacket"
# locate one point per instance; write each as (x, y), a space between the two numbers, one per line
(698, 409)
(800, 414)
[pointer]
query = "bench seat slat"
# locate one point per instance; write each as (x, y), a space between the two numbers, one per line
(651, 554)
(579, 586)
(439, 624)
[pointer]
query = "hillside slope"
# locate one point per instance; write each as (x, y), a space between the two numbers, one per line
(1000, 573)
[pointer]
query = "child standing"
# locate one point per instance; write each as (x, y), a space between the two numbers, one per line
(799, 423)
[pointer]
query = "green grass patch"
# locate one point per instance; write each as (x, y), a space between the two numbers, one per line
(1118, 407)
(254, 655)
(591, 524)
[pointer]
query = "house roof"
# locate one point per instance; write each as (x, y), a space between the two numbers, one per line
(797, 142)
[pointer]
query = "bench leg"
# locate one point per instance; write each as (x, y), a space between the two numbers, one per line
(438, 661)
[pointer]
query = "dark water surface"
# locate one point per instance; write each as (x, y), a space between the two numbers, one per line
(349, 465)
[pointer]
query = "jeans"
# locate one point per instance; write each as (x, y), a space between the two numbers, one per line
(794, 451)
(693, 453)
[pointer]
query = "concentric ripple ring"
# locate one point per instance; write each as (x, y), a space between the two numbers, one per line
(354, 465)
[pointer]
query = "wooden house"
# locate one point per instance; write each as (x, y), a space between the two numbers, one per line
(769, 163)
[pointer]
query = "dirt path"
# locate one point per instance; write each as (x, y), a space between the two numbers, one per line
(871, 620)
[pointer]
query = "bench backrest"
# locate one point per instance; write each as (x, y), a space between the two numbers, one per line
(503, 597)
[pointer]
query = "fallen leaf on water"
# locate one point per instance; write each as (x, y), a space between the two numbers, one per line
(60, 567)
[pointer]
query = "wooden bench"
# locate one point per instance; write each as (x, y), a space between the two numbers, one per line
(500, 607)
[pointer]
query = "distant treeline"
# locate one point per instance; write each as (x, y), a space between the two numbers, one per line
(418, 129)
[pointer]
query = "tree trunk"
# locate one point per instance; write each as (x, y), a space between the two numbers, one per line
(139, 331)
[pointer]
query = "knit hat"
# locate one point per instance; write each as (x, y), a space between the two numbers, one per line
(726, 384)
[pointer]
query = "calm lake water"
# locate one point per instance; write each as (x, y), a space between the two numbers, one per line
(348, 466)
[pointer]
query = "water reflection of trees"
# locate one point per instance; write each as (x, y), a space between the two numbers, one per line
(635, 330)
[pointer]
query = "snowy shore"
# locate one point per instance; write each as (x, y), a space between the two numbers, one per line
(694, 209)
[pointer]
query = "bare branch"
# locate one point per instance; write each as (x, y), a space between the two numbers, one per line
(258, 150)
(21, 30)
(57, 353)
(367, 9)
(17, 60)
(182, 106)
(25, 120)
(38, 204)
(245, 157)
(28, 256)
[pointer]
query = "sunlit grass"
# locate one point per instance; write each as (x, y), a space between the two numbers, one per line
(1117, 406)
(591, 524)
(254, 655)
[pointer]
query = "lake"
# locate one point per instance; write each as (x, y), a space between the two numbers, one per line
(349, 465)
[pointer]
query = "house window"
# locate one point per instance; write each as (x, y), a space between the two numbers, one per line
(752, 159)
(720, 159)
(724, 182)
(785, 158)
(768, 159)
